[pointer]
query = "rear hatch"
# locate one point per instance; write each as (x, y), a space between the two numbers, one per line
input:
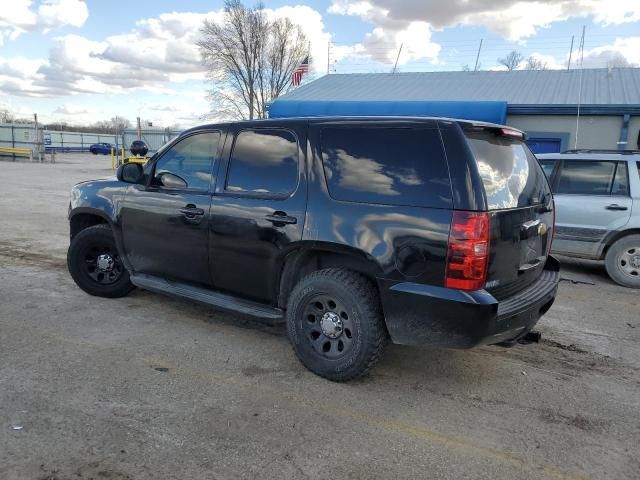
(520, 206)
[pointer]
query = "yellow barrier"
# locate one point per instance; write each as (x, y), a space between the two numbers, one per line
(17, 151)
(140, 160)
(122, 159)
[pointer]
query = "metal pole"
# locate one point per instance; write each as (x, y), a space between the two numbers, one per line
(397, 58)
(328, 56)
(575, 145)
(37, 137)
(475, 68)
(139, 130)
(570, 53)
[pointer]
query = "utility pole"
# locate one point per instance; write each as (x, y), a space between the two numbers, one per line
(475, 68)
(37, 143)
(570, 53)
(397, 58)
(575, 145)
(139, 129)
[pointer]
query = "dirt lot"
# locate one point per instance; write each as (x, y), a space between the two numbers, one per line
(148, 387)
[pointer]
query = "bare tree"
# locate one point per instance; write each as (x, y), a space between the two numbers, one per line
(618, 60)
(250, 59)
(119, 123)
(6, 116)
(512, 61)
(534, 63)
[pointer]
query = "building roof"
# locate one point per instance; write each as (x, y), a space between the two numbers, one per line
(560, 88)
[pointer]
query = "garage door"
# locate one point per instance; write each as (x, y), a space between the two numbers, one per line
(544, 145)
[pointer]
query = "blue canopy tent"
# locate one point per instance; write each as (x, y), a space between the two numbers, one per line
(487, 111)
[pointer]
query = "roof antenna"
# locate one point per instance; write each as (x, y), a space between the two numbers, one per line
(575, 145)
(397, 58)
(570, 53)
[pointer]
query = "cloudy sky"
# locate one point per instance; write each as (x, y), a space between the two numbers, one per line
(81, 61)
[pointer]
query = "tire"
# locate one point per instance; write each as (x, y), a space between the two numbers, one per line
(335, 324)
(102, 277)
(623, 261)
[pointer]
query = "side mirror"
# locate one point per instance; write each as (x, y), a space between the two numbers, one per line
(130, 173)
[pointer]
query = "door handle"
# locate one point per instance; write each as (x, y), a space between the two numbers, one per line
(530, 266)
(281, 218)
(615, 206)
(191, 211)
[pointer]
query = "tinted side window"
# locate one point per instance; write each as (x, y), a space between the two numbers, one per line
(620, 185)
(392, 166)
(583, 177)
(263, 161)
(190, 160)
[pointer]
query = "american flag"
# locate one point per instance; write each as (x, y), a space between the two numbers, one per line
(300, 70)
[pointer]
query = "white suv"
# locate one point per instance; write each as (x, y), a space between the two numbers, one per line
(597, 195)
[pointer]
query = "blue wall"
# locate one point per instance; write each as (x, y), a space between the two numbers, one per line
(495, 112)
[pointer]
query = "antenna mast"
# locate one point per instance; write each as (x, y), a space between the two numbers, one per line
(397, 58)
(575, 145)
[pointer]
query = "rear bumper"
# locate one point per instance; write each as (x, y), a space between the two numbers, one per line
(427, 315)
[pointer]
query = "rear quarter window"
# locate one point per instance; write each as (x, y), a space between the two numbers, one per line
(389, 166)
(593, 177)
(511, 175)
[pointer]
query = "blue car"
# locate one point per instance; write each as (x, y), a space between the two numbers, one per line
(103, 148)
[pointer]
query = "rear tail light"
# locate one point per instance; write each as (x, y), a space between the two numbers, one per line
(468, 252)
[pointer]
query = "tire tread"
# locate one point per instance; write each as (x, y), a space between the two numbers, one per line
(368, 301)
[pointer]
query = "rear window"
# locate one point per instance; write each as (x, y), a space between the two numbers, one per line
(510, 173)
(389, 166)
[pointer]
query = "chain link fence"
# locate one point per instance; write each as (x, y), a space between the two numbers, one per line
(18, 137)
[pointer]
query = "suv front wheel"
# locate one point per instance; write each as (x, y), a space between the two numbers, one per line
(623, 261)
(95, 264)
(335, 324)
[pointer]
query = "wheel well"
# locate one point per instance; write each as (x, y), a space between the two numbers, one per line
(299, 264)
(618, 236)
(84, 220)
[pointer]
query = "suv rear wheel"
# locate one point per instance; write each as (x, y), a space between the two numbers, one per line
(623, 261)
(95, 264)
(335, 324)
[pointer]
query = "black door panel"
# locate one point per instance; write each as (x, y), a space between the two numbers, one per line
(165, 224)
(257, 213)
(160, 239)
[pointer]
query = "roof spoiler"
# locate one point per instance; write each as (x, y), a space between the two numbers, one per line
(499, 131)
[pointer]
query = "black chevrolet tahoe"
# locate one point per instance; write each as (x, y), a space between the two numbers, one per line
(352, 231)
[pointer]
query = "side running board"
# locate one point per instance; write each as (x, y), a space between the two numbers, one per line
(208, 297)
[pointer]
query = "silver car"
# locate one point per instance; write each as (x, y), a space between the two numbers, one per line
(597, 195)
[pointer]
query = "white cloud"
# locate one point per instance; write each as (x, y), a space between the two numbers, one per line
(70, 109)
(622, 52)
(21, 17)
(158, 51)
(513, 20)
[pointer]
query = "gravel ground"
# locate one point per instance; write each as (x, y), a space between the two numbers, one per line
(149, 387)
